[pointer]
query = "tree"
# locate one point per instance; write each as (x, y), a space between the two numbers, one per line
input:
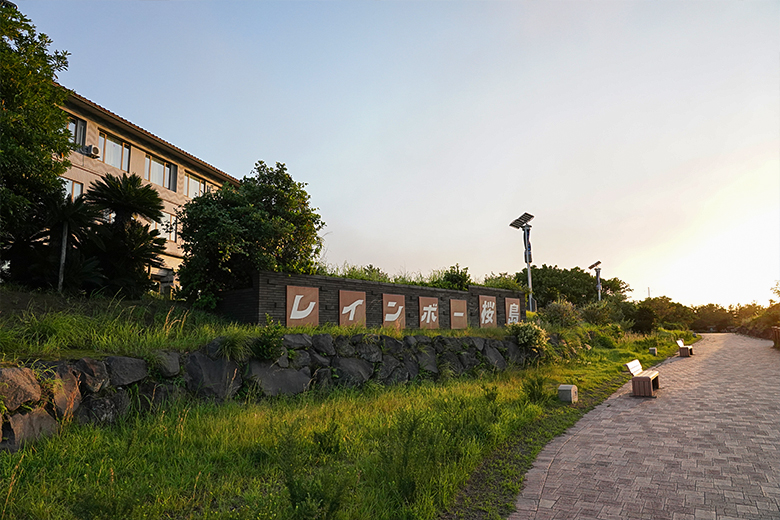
(551, 283)
(265, 223)
(34, 139)
(124, 246)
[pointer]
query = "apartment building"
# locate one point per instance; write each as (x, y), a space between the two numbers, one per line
(110, 144)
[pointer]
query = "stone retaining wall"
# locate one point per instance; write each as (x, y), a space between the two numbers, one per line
(35, 399)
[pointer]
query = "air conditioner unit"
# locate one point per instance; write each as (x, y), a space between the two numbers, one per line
(92, 151)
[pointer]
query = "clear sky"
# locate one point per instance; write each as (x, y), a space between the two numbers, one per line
(642, 134)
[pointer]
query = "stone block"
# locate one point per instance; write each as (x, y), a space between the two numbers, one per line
(568, 393)
(17, 386)
(126, 370)
(653, 351)
(25, 427)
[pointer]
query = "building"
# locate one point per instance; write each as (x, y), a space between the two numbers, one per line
(110, 144)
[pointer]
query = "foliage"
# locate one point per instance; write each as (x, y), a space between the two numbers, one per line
(712, 317)
(530, 337)
(368, 272)
(503, 281)
(552, 283)
(669, 314)
(561, 313)
(453, 278)
(264, 224)
(644, 318)
(33, 130)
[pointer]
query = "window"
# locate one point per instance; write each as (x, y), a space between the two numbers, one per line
(193, 187)
(73, 189)
(166, 227)
(78, 131)
(160, 172)
(115, 152)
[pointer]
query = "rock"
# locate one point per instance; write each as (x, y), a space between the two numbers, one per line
(283, 361)
(369, 351)
(344, 347)
(153, 395)
(386, 369)
(494, 357)
(410, 342)
(323, 378)
(18, 386)
(391, 345)
(352, 371)
(318, 361)
(469, 359)
(213, 348)
(412, 368)
(103, 409)
(126, 370)
(300, 359)
(323, 344)
(479, 343)
(450, 359)
(512, 352)
(168, 363)
(444, 344)
(274, 380)
(26, 427)
(206, 377)
(426, 358)
(66, 396)
(296, 341)
(92, 375)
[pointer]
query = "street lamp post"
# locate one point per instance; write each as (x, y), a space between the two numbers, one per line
(598, 276)
(521, 222)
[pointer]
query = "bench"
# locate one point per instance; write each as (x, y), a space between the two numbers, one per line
(685, 350)
(645, 382)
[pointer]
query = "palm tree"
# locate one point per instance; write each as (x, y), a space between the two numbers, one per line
(125, 246)
(126, 197)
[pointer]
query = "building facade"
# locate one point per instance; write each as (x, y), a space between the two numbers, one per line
(108, 143)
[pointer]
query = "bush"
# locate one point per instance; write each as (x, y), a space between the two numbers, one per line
(596, 313)
(561, 313)
(530, 337)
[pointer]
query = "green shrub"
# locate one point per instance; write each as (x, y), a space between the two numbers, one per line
(561, 313)
(530, 337)
(502, 281)
(596, 313)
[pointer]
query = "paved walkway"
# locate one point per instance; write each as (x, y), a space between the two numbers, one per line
(707, 448)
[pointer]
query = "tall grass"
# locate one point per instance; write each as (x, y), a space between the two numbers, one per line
(399, 452)
(139, 329)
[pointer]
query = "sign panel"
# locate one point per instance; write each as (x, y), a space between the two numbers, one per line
(487, 312)
(459, 314)
(512, 306)
(429, 313)
(353, 308)
(303, 306)
(393, 314)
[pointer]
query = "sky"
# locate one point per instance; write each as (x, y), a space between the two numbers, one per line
(645, 135)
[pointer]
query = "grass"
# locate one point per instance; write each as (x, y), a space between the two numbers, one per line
(457, 448)
(454, 449)
(96, 327)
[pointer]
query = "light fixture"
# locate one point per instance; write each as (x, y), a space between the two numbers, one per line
(598, 276)
(521, 222)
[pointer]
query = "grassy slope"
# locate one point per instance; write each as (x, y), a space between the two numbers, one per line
(453, 449)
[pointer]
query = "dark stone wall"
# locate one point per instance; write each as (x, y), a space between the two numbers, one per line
(269, 294)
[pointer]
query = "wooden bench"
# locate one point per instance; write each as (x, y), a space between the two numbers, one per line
(645, 382)
(685, 350)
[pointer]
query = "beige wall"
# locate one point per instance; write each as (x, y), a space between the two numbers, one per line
(86, 170)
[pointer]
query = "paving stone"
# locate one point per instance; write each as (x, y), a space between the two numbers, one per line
(706, 448)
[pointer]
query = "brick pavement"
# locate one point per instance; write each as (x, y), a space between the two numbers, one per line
(705, 448)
